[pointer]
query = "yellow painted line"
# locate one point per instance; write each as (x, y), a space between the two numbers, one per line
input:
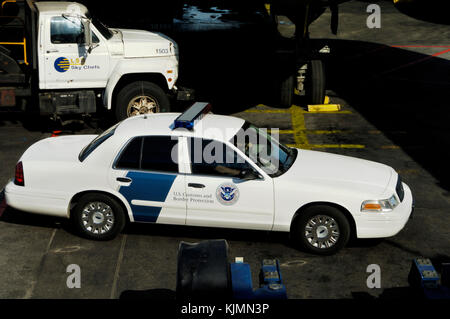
(298, 125)
(281, 131)
(312, 132)
(299, 129)
(324, 108)
(390, 147)
(296, 107)
(309, 146)
(337, 146)
(330, 112)
(323, 132)
(267, 111)
(408, 171)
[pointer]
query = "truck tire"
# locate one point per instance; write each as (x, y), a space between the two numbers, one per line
(315, 83)
(321, 229)
(141, 97)
(287, 91)
(98, 217)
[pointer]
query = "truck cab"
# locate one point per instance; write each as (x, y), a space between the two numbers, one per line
(80, 63)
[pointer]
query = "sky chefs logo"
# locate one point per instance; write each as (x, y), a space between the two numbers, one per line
(62, 64)
(227, 194)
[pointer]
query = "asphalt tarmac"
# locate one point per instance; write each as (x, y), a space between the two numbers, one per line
(392, 84)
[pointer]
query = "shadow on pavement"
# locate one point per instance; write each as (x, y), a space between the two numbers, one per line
(402, 93)
(435, 11)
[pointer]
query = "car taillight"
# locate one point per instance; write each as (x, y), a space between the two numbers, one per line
(19, 179)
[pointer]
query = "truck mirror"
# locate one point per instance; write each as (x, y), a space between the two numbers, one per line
(87, 34)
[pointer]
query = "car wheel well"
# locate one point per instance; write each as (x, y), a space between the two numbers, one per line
(77, 197)
(346, 213)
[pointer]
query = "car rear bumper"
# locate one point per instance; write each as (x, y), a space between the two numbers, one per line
(380, 225)
(22, 198)
(2, 202)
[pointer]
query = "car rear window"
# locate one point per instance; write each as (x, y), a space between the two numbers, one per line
(131, 155)
(159, 154)
(150, 153)
(96, 142)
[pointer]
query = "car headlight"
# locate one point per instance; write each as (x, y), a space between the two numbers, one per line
(383, 205)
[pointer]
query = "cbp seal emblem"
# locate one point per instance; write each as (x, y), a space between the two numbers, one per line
(227, 194)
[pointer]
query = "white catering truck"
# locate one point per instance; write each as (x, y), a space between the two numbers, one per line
(72, 63)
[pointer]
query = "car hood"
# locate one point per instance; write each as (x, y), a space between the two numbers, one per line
(334, 171)
(140, 43)
(57, 149)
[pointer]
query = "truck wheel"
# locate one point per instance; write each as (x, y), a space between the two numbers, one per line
(98, 217)
(287, 91)
(315, 83)
(321, 229)
(141, 98)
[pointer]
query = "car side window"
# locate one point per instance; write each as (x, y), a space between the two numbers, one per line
(130, 158)
(66, 30)
(160, 153)
(152, 153)
(210, 157)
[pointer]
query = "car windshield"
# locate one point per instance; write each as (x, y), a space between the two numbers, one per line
(103, 29)
(271, 156)
(96, 142)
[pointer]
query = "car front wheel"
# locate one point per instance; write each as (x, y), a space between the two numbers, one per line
(98, 217)
(321, 229)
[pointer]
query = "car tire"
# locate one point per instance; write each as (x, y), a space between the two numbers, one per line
(315, 83)
(152, 97)
(321, 230)
(98, 217)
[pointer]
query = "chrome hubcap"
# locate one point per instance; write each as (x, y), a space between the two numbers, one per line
(322, 231)
(97, 218)
(142, 105)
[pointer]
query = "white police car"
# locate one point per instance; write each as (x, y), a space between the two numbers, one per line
(208, 170)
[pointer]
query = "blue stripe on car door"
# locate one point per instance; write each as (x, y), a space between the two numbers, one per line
(147, 186)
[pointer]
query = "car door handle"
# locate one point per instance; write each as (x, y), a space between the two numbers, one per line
(124, 179)
(195, 185)
(52, 51)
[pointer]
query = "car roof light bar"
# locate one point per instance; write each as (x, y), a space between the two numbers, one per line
(191, 115)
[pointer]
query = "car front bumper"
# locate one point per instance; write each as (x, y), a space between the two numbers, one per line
(387, 224)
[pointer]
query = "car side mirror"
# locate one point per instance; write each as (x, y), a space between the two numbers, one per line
(248, 175)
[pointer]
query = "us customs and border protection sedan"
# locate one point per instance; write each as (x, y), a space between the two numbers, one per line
(203, 169)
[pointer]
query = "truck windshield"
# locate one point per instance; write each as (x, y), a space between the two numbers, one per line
(103, 29)
(271, 156)
(96, 142)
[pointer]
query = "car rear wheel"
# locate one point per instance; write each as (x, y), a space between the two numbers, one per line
(98, 217)
(321, 230)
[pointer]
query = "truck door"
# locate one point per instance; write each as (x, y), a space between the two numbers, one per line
(148, 177)
(216, 195)
(67, 63)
